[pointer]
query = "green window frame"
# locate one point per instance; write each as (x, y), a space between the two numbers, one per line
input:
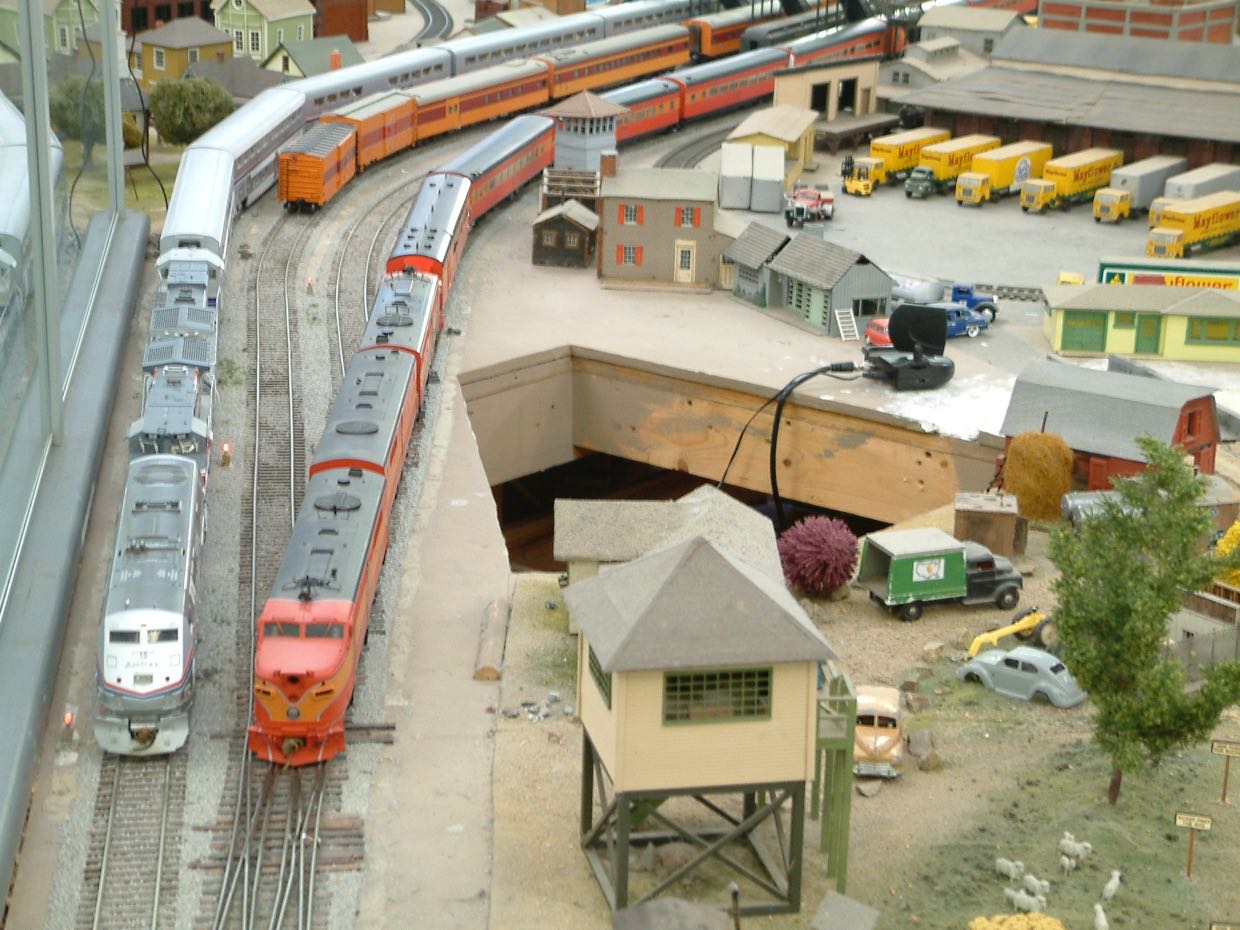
(718, 695)
(1125, 319)
(601, 678)
(1204, 330)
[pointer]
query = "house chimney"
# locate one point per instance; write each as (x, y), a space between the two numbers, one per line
(607, 164)
(337, 59)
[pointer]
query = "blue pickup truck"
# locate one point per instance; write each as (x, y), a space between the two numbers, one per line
(926, 292)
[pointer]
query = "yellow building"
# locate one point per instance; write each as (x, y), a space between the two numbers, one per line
(169, 50)
(697, 675)
(1147, 320)
(785, 126)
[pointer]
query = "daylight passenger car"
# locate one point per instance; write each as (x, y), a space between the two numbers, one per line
(1026, 673)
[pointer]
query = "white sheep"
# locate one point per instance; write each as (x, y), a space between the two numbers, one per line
(1024, 902)
(1009, 868)
(1067, 863)
(1037, 886)
(1100, 918)
(1112, 885)
(1074, 849)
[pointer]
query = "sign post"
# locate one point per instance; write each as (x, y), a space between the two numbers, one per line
(1225, 748)
(1194, 822)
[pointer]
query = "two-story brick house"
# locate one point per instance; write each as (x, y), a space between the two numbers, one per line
(660, 224)
(259, 27)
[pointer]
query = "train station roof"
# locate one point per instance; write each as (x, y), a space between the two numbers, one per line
(1065, 99)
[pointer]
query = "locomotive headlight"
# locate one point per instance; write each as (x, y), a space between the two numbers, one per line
(293, 713)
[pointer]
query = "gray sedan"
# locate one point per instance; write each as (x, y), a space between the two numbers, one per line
(1024, 672)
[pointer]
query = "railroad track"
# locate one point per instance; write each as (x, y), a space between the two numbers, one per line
(133, 859)
(693, 151)
(438, 21)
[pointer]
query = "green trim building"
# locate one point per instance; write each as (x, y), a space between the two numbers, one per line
(1193, 324)
(259, 27)
(61, 20)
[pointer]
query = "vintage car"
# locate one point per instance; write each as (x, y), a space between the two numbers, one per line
(1026, 673)
(961, 321)
(878, 745)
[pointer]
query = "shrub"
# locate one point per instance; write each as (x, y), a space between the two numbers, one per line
(818, 555)
(1038, 470)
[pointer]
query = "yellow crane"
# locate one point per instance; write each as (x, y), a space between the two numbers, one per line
(1027, 625)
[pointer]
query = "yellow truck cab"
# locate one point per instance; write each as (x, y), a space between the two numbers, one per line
(1157, 207)
(1112, 204)
(1202, 223)
(893, 157)
(1070, 179)
(942, 162)
(998, 172)
(878, 742)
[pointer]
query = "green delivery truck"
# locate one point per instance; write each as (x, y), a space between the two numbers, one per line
(905, 569)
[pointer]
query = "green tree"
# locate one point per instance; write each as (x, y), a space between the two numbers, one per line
(183, 110)
(1122, 574)
(76, 111)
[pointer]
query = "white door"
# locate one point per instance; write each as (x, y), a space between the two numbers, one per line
(686, 260)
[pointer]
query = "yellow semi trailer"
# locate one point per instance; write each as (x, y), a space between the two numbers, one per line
(1001, 171)
(941, 163)
(1202, 223)
(891, 159)
(1070, 179)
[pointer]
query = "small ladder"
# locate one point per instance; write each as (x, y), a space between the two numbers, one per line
(847, 324)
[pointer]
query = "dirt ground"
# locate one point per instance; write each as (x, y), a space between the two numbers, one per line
(1015, 776)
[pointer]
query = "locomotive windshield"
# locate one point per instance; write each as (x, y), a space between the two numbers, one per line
(324, 631)
(123, 636)
(281, 629)
(163, 636)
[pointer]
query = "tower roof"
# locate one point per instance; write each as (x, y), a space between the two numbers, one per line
(586, 105)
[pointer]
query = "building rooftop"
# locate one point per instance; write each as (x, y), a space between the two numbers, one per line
(974, 18)
(785, 122)
(1145, 298)
(690, 184)
(275, 9)
(187, 32)
(620, 531)
(1096, 411)
(815, 261)
(570, 209)
(692, 605)
(1125, 55)
(586, 106)
(314, 56)
(756, 246)
(1117, 105)
(241, 77)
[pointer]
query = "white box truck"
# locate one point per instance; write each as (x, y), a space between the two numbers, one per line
(1134, 187)
(1208, 179)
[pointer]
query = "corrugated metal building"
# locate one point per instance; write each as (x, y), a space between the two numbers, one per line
(1142, 96)
(820, 282)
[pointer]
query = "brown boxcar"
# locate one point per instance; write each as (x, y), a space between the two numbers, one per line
(317, 165)
(384, 123)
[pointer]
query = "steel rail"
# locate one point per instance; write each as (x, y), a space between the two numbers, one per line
(107, 843)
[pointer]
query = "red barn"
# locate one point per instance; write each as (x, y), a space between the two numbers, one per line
(1100, 414)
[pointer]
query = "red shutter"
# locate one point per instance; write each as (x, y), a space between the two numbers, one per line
(619, 255)
(679, 216)
(697, 216)
(637, 258)
(620, 213)
(641, 214)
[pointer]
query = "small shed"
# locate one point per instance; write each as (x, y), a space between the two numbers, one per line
(786, 128)
(735, 175)
(993, 520)
(750, 253)
(767, 194)
(564, 236)
(978, 29)
(1099, 414)
(697, 676)
(827, 286)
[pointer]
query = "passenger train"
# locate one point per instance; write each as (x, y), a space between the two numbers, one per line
(314, 622)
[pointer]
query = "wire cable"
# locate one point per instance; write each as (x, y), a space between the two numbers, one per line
(145, 145)
(82, 118)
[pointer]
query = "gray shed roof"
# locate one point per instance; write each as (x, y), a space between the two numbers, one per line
(967, 17)
(783, 121)
(314, 56)
(241, 77)
(620, 531)
(687, 184)
(187, 32)
(1096, 411)
(1144, 298)
(573, 210)
(815, 261)
(756, 246)
(692, 605)
(1067, 99)
(1199, 61)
